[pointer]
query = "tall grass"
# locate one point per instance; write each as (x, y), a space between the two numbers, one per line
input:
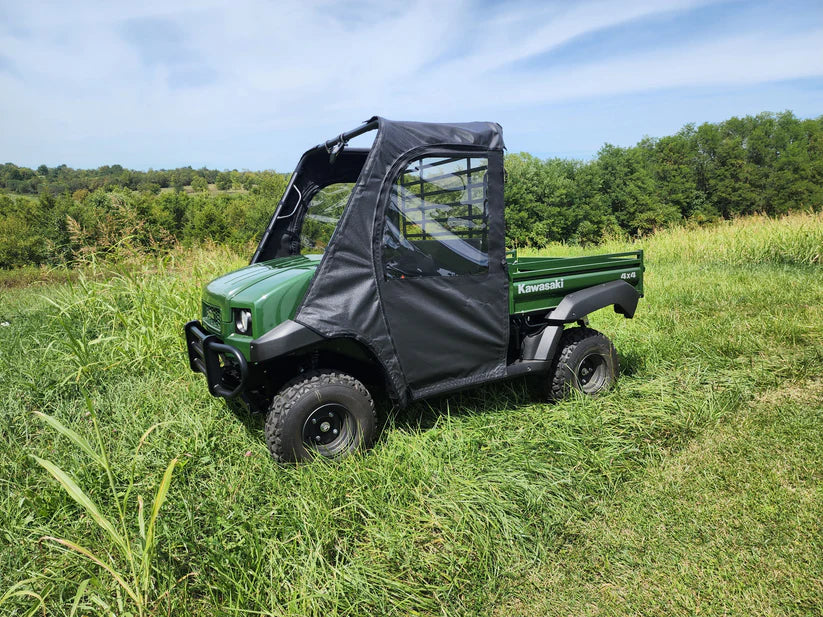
(790, 240)
(134, 578)
(20, 590)
(112, 319)
(795, 239)
(459, 499)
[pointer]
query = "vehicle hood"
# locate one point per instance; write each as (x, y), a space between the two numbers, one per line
(272, 290)
(251, 282)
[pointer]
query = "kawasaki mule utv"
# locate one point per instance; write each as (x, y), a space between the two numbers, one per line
(385, 270)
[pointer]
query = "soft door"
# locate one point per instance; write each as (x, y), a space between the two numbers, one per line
(443, 285)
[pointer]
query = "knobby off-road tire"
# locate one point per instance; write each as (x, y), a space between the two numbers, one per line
(586, 361)
(320, 414)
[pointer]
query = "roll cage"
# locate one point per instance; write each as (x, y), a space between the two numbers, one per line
(327, 163)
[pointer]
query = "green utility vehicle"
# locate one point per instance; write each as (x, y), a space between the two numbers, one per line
(384, 271)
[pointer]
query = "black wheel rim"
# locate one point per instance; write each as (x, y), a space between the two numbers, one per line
(329, 429)
(592, 373)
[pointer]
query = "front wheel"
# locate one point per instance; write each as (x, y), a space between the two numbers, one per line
(586, 361)
(320, 413)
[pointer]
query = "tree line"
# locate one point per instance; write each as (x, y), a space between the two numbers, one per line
(50, 229)
(768, 163)
(62, 179)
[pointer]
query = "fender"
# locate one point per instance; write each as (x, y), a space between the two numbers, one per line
(580, 303)
(576, 306)
(284, 338)
(291, 336)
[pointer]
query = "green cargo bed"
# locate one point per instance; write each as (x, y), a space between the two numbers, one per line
(540, 283)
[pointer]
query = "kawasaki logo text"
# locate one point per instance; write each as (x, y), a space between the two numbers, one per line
(522, 288)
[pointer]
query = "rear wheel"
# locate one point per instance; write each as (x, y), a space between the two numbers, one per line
(320, 413)
(586, 361)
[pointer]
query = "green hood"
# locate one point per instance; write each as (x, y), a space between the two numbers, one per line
(272, 290)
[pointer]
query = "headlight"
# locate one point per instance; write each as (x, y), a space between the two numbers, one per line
(242, 321)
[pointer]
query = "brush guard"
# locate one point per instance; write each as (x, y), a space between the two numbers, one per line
(225, 368)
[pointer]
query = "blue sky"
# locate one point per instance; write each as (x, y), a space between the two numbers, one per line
(251, 84)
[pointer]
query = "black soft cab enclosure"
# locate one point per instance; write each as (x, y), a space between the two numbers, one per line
(421, 284)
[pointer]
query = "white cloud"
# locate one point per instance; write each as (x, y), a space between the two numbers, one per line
(75, 78)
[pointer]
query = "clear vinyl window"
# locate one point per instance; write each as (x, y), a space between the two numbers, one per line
(437, 220)
(322, 216)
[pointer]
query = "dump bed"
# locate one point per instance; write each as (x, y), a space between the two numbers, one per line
(540, 283)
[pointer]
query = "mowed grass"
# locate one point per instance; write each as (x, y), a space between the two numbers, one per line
(730, 525)
(695, 486)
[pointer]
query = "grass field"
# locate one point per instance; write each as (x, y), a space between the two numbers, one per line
(695, 487)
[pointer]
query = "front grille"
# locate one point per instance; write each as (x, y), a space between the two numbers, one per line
(211, 317)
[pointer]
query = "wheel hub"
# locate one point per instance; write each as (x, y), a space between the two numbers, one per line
(326, 425)
(591, 373)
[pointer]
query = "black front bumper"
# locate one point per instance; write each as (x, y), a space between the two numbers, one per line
(225, 368)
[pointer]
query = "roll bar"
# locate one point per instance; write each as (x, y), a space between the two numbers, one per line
(334, 146)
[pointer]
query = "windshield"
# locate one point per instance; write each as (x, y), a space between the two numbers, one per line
(321, 218)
